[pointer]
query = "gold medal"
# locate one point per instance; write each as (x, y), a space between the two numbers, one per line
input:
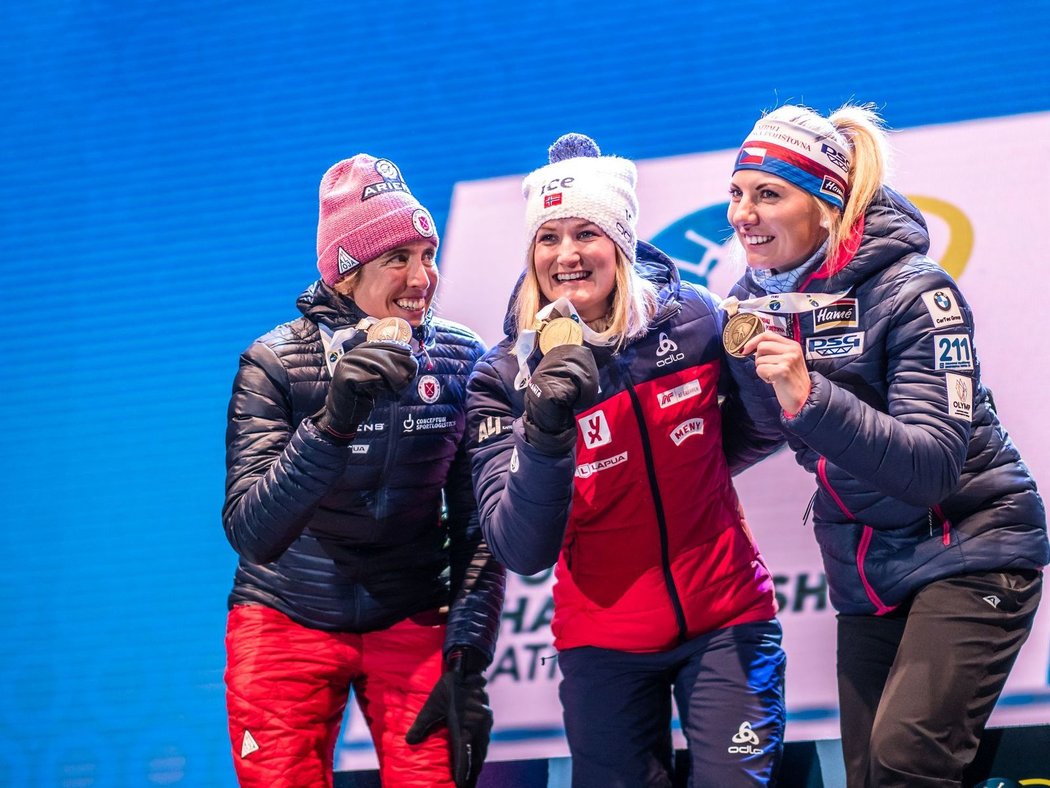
(740, 329)
(390, 329)
(560, 331)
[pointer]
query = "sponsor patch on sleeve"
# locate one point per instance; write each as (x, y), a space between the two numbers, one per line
(841, 346)
(952, 351)
(960, 396)
(490, 427)
(943, 307)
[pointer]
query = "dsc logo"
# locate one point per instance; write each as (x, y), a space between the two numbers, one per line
(835, 347)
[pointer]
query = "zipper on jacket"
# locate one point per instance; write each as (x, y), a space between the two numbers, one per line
(661, 520)
(391, 451)
(809, 508)
(881, 608)
(946, 525)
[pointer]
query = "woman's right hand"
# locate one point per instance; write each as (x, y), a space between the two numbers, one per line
(360, 374)
(780, 362)
(565, 381)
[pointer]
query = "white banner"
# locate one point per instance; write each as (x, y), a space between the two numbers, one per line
(980, 186)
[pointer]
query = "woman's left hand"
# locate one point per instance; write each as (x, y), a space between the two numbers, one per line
(779, 361)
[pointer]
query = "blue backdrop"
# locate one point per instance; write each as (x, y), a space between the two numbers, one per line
(158, 190)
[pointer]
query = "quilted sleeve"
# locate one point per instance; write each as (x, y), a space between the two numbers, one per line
(524, 496)
(275, 476)
(916, 450)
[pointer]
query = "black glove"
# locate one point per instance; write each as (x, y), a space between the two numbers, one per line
(565, 380)
(460, 703)
(360, 375)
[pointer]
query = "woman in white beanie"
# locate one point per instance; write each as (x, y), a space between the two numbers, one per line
(344, 446)
(597, 445)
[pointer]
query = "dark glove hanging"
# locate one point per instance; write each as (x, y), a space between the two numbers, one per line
(565, 380)
(360, 375)
(460, 703)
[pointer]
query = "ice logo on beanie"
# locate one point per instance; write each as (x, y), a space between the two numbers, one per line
(392, 181)
(423, 223)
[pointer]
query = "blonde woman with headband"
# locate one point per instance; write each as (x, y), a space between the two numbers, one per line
(859, 349)
(596, 444)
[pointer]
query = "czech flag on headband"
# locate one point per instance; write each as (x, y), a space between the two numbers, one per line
(751, 156)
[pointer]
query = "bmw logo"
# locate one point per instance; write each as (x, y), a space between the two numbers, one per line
(942, 301)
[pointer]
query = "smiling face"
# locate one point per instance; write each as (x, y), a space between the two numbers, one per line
(575, 259)
(777, 223)
(398, 283)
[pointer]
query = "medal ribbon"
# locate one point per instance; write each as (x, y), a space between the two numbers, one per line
(335, 341)
(782, 303)
(526, 343)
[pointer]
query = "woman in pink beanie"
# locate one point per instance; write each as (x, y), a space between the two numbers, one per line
(349, 503)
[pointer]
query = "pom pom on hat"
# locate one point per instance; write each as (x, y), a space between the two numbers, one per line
(581, 183)
(366, 209)
(572, 145)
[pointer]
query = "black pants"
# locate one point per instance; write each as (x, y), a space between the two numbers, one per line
(916, 687)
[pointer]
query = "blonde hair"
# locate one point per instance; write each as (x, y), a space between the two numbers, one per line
(345, 286)
(630, 314)
(860, 129)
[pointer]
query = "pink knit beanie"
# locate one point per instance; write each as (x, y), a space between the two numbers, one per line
(366, 209)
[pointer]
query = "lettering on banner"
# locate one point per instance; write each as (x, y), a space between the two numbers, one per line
(525, 651)
(796, 593)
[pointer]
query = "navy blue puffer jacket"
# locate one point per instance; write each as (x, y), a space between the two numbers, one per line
(353, 538)
(917, 479)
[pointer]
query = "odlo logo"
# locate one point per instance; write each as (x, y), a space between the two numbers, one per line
(745, 741)
(669, 348)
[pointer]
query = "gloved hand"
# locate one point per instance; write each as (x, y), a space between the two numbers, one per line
(565, 380)
(360, 375)
(460, 703)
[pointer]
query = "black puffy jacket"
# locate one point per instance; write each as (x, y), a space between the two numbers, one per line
(917, 479)
(353, 538)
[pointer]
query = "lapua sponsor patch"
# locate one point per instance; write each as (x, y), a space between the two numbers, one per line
(591, 468)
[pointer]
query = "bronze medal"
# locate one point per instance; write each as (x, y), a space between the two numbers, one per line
(390, 329)
(560, 331)
(740, 329)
